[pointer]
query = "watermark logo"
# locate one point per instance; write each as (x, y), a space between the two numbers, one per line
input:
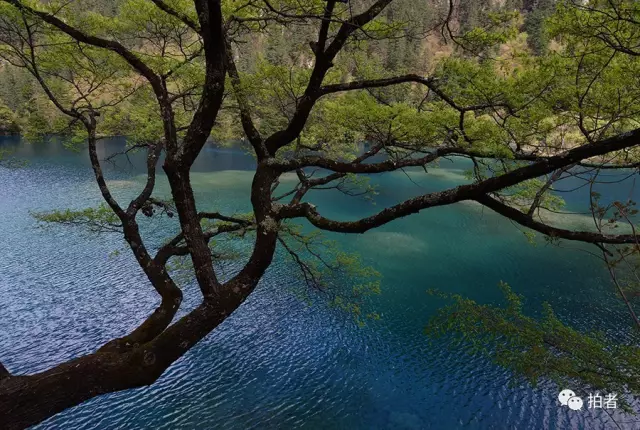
(575, 403)
(596, 401)
(564, 396)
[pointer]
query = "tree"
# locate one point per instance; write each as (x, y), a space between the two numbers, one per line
(7, 120)
(534, 25)
(166, 73)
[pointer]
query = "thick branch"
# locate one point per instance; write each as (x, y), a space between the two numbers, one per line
(153, 153)
(324, 61)
(4, 373)
(178, 164)
(248, 125)
(465, 192)
(171, 295)
(28, 400)
(90, 124)
(151, 327)
(266, 230)
(197, 243)
(210, 17)
(357, 166)
(527, 221)
(324, 26)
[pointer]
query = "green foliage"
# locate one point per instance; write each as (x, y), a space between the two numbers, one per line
(325, 267)
(499, 27)
(8, 161)
(494, 98)
(96, 220)
(538, 349)
(534, 25)
(8, 123)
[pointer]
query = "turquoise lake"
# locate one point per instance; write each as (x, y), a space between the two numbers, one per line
(281, 362)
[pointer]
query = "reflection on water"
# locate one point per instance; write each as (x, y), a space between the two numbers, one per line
(279, 362)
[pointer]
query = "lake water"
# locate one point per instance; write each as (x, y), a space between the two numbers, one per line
(281, 362)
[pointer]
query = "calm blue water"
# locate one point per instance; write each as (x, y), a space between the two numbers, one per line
(280, 362)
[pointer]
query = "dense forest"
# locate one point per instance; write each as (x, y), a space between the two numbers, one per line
(25, 108)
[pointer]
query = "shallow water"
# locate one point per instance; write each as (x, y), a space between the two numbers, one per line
(280, 362)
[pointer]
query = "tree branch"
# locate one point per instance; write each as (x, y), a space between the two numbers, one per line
(248, 125)
(153, 153)
(4, 373)
(90, 124)
(210, 17)
(26, 400)
(527, 221)
(357, 166)
(307, 184)
(178, 164)
(464, 192)
(181, 16)
(219, 216)
(540, 194)
(111, 45)
(324, 61)
(429, 82)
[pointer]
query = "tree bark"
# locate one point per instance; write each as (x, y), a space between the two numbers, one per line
(28, 400)
(184, 200)
(4, 373)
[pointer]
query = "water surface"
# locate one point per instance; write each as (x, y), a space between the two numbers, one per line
(279, 361)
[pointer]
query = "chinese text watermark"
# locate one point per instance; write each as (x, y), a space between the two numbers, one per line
(596, 401)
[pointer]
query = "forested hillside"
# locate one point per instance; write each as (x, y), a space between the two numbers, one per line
(414, 48)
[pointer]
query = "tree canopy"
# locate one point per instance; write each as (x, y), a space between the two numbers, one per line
(330, 92)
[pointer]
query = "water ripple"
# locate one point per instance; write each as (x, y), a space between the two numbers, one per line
(279, 362)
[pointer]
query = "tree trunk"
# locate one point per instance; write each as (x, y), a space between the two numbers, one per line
(28, 400)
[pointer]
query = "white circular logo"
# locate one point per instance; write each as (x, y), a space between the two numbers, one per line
(575, 403)
(564, 396)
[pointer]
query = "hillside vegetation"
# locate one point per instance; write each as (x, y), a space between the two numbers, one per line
(415, 48)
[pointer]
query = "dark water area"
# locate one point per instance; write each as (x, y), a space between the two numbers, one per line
(281, 362)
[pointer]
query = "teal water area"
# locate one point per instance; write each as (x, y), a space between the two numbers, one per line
(280, 362)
